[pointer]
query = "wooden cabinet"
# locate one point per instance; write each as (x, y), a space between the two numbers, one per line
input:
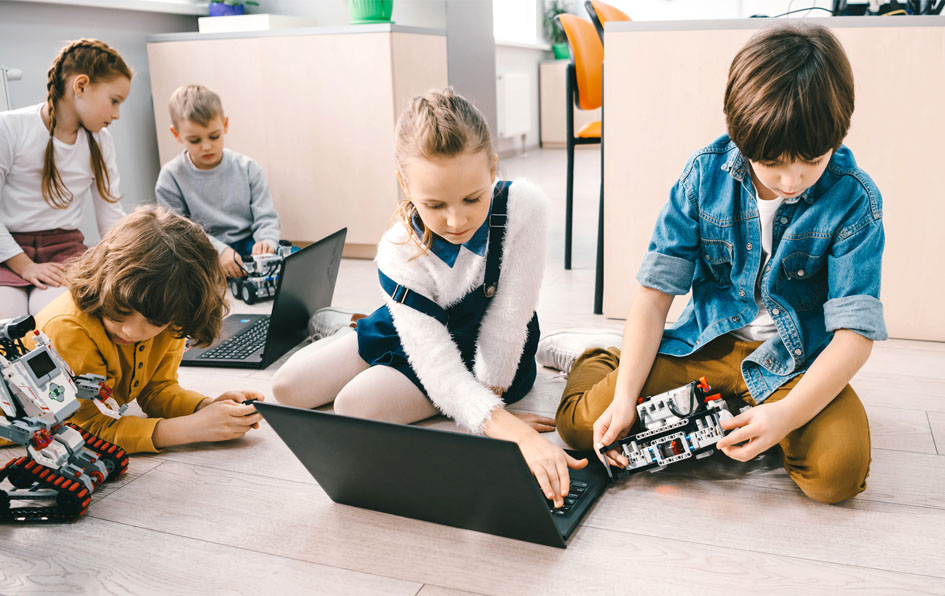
(316, 108)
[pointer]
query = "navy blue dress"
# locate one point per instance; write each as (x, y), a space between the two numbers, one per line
(379, 344)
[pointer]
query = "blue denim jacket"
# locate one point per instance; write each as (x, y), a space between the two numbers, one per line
(823, 274)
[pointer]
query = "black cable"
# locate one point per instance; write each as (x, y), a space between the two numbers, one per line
(784, 14)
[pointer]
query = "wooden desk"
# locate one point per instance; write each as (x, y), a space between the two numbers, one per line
(316, 108)
(664, 87)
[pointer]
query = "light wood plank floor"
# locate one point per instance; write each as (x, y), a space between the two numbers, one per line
(246, 518)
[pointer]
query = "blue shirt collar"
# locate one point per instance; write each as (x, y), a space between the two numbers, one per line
(448, 252)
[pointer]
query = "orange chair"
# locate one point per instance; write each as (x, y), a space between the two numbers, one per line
(602, 13)
(584, 88)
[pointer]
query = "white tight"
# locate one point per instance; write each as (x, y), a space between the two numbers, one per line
(319, 373)
(19, 301)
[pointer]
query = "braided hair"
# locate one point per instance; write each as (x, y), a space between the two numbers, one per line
(98, 61)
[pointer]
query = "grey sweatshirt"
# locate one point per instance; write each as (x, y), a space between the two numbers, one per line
(231, 202)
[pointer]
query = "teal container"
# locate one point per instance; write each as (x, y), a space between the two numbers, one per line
(561, 51)
(370, 11)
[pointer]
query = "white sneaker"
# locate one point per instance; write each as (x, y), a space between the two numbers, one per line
(329, 320)
(559, 349)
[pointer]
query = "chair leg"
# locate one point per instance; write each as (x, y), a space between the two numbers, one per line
(599, 274)
(569, 206)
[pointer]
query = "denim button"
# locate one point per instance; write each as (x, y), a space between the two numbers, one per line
(800, 273)
(797, 351)
(735, 319)
(775, 311)
(784, 220)
(768, 268)
(748, 246)
(741, 293)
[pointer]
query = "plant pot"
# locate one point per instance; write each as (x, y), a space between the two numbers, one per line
(221, 9)
(370, 11)
(561, 50)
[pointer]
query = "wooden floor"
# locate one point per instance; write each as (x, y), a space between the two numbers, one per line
(246, 518)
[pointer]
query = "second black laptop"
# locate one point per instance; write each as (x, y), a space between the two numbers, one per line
(306, 284)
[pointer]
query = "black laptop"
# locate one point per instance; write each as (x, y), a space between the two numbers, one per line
(466, 481)
(306, 284)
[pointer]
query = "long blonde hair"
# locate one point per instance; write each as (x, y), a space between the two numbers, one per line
(438, 123)
(99, 62)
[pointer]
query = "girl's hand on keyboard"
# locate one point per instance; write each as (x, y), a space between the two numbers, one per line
(549, 463)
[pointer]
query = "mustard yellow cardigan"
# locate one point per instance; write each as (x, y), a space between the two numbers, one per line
(146, 371)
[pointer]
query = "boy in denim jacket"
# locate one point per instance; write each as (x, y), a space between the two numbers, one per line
(780, 237)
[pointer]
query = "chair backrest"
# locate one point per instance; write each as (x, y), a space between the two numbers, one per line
(587, 57)
(602, 13)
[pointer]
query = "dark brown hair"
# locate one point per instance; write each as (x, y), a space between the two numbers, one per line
(438, 123)
(195, 103)
(158, 264)
(789, 94)
(99, 62)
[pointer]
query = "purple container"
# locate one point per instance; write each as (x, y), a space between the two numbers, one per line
(221, 9)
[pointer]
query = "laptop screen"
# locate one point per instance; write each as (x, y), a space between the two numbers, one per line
(307, 284)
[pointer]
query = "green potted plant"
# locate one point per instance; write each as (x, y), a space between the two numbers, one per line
(225, 8)
(553, 33)
(370, 11)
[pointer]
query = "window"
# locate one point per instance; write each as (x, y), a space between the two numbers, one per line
(515, 21)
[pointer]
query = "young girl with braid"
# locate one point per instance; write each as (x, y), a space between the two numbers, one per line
(51, 155)
(460, 270)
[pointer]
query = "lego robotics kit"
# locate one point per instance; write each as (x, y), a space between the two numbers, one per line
(262, 274)
(64, 464)
(678, 424)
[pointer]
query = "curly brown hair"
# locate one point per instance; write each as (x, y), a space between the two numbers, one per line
(789, 94)
(158, 264)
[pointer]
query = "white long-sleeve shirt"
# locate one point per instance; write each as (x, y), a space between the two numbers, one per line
(23, 138)
(460, 394)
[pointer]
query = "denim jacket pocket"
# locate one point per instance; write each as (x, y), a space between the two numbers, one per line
(718, 255)
(804, 280)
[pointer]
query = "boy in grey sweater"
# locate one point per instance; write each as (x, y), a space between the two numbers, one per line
(224, 191)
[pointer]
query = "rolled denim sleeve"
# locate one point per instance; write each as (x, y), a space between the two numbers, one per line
(854, 267)
(670, 261)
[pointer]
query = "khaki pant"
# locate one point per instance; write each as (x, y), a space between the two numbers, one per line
(828, 458)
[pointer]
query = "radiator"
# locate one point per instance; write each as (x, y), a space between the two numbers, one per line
(514, 104)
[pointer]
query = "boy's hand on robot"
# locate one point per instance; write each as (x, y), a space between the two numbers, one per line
(263, 248)
(230, 263)
(242, 400)
(614, 424)
(44, 275)
(754, 431)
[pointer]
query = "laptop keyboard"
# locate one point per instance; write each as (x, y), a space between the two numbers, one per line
(575, 492)
(242, 345)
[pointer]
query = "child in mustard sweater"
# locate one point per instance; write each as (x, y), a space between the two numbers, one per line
(153, 280)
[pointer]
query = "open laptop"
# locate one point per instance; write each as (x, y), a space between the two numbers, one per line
(466, 481)
(306, 284)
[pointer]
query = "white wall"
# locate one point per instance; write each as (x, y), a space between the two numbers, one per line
(31, 35)
(415, 13)
(510, 59)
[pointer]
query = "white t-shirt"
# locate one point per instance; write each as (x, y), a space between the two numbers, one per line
(763, 326)
(23, 138)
